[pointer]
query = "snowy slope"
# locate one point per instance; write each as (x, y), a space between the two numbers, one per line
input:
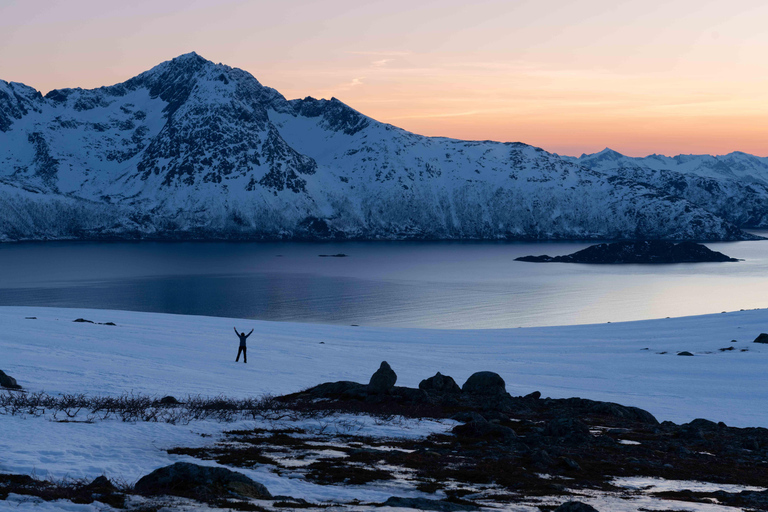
(174, 354)
(160, 354)
(733, 187)
(193, 149)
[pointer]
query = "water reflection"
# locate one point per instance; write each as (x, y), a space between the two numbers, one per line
(443, 285)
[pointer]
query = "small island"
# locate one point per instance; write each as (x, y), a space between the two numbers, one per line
(647, 251)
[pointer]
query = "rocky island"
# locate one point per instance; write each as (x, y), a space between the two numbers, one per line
(647, 251)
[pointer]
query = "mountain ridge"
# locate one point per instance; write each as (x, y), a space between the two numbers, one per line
(195, 150)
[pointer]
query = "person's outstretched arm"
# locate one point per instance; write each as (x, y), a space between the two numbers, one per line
(235, 328)
(249, 333)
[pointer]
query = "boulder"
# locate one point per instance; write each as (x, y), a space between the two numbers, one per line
(440, 384)
(485, 383)
(383, 380)
(7, 381)
(762, 338)
(200, 482)
(575, 506)
(684, 353)
(169, 400)
(533, 396)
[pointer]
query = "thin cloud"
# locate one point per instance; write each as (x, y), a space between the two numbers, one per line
(381, 54)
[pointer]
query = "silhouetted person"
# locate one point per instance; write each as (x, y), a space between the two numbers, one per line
(242, 337)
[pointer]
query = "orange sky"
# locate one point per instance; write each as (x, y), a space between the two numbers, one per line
(570, 76)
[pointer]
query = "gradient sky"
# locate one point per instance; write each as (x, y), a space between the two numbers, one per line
(641, 77)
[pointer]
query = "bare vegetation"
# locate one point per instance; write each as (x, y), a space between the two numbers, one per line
(134, 407)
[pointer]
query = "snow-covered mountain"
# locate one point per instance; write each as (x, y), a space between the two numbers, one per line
(193, 149)
(733, 186)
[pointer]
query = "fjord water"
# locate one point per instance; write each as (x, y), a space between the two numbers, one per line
(407, 284)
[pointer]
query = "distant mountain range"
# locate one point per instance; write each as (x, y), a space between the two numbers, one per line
(196, 150)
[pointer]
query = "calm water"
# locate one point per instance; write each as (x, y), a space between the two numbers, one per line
(443, 285)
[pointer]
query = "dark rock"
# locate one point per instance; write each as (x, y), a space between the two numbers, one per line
(684, 353)
(762, 338)
(621, 412)
(533, 396)
(485, 383)
(200, 482)
(383, 380)
(340, 255)
(484, 430)
(575, 506)
(570, 464)
(340, 389)
(440, 384)
(83, 320)
(7, 381)
(427, 504)
(570, 430)
(169, 400)
(467, 416)
(413, 395)
(702, 424)
(648, 251)
(101, 484)
(110, 323)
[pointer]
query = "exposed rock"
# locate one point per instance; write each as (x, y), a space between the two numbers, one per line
(7, 381)
(83, 320)
(440, 384)
(101, 484)
(169, 400)
(618, 411)
(427, 504)
(200, 482)
(340, 389)
(383, 380)
(569, 430)
(684, 353)
(762, 338)
(533, 396)
(410, 394)
(467, 416)
(575, 506)
(648, 251)
(485, 383)
(484, 430)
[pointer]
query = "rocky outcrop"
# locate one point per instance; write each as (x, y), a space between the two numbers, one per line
(485, 383)
(383, 381)
(440, 384)
(637, 252)
(200, 483)
(8, 382)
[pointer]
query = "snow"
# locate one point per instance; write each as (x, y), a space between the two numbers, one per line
(197, 149)
(180, 355)
(163, 354)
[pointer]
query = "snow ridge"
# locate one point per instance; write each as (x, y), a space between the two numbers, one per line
(193, 149)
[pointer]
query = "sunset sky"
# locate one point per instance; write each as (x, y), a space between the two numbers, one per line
(640, 77)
